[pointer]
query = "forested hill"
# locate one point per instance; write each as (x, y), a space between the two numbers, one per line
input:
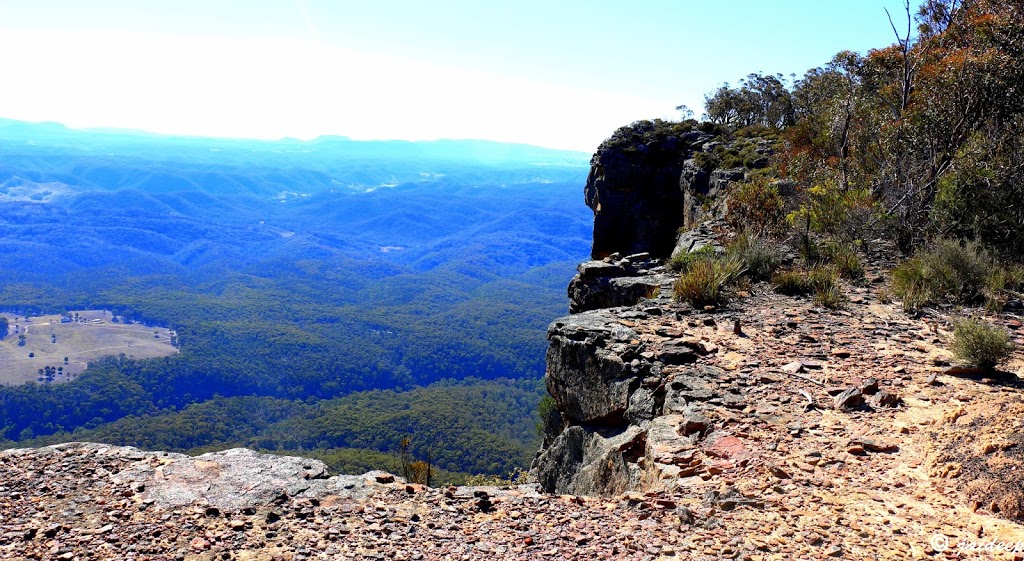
(291, 270)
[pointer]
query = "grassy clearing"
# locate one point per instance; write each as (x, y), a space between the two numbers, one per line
(48, 342)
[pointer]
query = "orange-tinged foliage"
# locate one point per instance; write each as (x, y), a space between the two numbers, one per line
(894, 122)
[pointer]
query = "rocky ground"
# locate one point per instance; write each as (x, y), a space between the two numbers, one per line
(803, 434)
(90, 501)
(790, 431)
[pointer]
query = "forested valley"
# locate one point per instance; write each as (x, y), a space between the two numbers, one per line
(330, 297)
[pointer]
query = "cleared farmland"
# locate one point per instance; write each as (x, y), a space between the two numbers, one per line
(37, 346)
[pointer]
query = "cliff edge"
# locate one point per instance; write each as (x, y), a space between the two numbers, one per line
(856, 417)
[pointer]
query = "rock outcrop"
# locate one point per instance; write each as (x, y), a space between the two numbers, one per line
(229, 480)
(766, 401)
(772, 401)
(652, 178)
(614, 282)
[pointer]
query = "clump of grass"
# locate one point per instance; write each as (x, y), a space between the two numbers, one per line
(705, 280)
(759, 258)
(827, 291)
(810, 252)
(1015, 278)
(823, 282)
(912, 283)
(845, 259)
(842, 254)
(960, 273)
(681, 263)
(792, 283)
(980, 343)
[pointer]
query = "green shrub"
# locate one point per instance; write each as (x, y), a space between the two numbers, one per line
(823, 282)
(705, 280)
(550, 424)
(1016, 278)
(757, 205)
(998, 282)
(707, 161)
(655, 137)
(960, 273)
(731, 159)
(827, 291)
(845, 259)
(980, 343)
(836, 212)
(912, 284)
(810, 252)
(682, 262)
(759, 258)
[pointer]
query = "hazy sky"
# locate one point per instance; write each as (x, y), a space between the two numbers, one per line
(553, 73)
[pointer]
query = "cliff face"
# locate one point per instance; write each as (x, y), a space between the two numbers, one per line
(651, 178)
(768, 397)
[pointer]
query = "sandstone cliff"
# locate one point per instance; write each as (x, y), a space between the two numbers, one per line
(651, 178)
(770, 397)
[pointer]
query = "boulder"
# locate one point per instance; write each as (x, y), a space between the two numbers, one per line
(236, 479)
(612, 283)
(582, 462)
(698, 238)
(596, 293)
(588, 380)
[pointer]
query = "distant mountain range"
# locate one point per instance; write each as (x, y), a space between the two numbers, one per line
(291, 269)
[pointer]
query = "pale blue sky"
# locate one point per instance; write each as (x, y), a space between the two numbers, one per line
(553, 73)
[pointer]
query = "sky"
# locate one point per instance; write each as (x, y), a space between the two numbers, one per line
(555, 73)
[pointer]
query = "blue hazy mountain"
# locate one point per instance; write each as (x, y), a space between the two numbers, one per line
(291, 269)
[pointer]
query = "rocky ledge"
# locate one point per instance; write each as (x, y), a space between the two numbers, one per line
(829, 433)
(92, 501)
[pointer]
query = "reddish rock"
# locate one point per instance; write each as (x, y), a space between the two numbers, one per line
(728, 448)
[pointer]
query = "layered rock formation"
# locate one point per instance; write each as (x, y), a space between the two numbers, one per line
(650, 179)
(615, 282)
(769, 399)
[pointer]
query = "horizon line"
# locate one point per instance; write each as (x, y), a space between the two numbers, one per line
(144, 132)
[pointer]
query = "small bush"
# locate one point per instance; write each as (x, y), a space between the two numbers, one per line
(948, 271)
(982, 344)
(1015, 278)
(705, 280)
(823, 282)
(756, 205)
(550, 424)
(759, 258)
(827, 291)
(998, 282)
(810, 252)
(707, 161)
(845, 259)
(836, 212)
(911, 282)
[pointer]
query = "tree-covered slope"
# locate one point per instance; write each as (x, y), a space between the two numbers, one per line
(290, 270)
